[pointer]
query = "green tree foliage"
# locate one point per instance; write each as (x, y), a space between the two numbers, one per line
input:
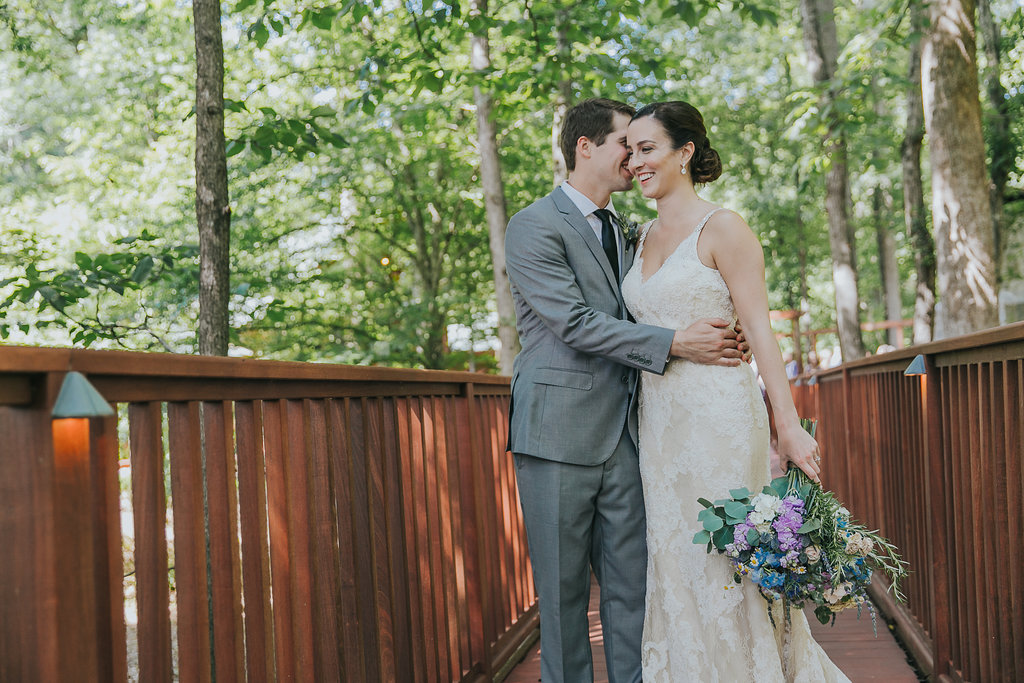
(351, 141)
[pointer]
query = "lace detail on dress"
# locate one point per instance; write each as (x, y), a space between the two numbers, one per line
(703, 431)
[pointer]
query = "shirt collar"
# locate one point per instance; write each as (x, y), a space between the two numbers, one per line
(583, 202)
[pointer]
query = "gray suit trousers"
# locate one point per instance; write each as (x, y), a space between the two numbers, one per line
(580, 517)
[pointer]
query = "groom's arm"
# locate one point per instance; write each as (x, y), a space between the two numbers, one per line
(539, 269)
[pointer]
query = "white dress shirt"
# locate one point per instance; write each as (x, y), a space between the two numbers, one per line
(587, 208)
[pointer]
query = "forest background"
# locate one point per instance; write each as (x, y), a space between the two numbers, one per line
(376, 148)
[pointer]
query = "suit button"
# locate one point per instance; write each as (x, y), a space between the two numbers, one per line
(625, 379)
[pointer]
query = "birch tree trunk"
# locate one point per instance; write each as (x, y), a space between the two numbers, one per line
(914, 216)
(494, 196)
(819, 29)
(213, 212)
(562, 99)
(961, 208)
(1001, 148)
(887, 266)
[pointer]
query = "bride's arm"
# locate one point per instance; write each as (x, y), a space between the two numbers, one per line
(736, 252)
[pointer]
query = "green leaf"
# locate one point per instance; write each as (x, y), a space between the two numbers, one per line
(739, 494)
(722, 538)
(809, 526)
(702, 537)
(753, 536)
(736, 511)
(823, 613)
(259, 33)
(244, 5)
(322, 111)
(323, 18)
(142, 269)
(713, 522)
(234, 147)
(705, 502)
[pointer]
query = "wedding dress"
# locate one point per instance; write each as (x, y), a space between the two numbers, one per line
(704, 431)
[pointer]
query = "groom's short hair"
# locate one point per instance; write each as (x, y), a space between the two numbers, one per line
(592, 119)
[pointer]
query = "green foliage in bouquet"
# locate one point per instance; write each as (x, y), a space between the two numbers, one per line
(798, 544)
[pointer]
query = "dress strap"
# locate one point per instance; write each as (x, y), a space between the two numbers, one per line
(643, 235)
(704, 221)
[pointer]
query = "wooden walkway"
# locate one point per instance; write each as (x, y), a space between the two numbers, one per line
(851, 644)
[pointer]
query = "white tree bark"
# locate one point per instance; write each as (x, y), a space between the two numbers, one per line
(961, 209)
(494, 197)
(819, 29)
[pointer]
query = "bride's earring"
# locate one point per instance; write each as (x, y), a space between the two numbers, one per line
(682, 169)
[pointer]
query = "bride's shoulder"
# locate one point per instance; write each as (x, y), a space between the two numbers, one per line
(727, 224)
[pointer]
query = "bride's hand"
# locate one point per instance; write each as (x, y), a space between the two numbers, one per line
(797, 447)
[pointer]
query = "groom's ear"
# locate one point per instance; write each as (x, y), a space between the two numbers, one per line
(583, 146)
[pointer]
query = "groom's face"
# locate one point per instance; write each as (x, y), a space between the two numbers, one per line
(610, 160)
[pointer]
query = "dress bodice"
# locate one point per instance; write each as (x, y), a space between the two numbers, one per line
(682, 291)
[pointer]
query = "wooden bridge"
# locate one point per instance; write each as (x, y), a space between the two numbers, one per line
(256, 520)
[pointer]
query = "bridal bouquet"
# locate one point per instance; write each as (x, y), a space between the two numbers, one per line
(797, 543)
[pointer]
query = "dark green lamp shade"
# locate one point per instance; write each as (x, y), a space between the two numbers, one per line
(916, 367)
(78, 398)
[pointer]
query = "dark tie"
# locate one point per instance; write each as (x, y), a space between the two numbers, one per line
(611, 249)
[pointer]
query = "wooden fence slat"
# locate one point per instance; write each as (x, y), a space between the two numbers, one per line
(325, 550)
(405, 429)
(353, 659)
(438, 624)
(1013, 419)
(275, 425)
(380, 568)
(468, 464)
(150, 509)
(402, 620)
(185, 445)
(225, 556)
(365, 591)
(453, 447)
(446, 545)
(296, 461)
(28, 613)
(113, 653)
(252, 513)
(77, 627)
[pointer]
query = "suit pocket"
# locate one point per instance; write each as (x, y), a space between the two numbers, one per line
(571, 379)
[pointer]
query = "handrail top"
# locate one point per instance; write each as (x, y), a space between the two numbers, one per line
(31, 359)
(1004, 334)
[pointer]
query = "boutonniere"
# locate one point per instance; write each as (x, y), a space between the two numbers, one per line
(630, 230)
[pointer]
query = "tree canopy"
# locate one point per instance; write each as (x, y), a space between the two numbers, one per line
(358, 221)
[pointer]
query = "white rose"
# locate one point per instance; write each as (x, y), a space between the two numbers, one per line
(813, 554)
(766, 505)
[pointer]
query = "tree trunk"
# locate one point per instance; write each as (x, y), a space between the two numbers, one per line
(1001, 148)
(494, 196)
(562, 98)
(914, 216)
(213, 212)
(888, 269)
(961, 208)
(819, 28)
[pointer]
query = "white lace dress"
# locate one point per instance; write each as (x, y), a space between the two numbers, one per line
(703, 431)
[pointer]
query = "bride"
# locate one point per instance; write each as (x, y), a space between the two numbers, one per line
(704, 428)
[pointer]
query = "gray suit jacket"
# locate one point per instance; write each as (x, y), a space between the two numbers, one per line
(574, 382)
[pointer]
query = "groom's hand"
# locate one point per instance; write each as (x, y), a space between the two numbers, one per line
(741, 339)
(710, 341)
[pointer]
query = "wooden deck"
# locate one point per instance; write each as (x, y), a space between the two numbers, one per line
(851, 644)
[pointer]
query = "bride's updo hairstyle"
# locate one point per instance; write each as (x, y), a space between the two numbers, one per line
(683, 123)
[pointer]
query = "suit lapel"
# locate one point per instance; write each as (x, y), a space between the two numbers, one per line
(579, 223)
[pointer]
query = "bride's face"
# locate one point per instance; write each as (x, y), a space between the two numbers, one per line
(653, 161)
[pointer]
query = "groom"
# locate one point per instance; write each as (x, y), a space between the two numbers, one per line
(573, 419)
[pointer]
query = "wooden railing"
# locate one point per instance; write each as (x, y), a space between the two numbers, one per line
(313, 522)
(934, 462)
